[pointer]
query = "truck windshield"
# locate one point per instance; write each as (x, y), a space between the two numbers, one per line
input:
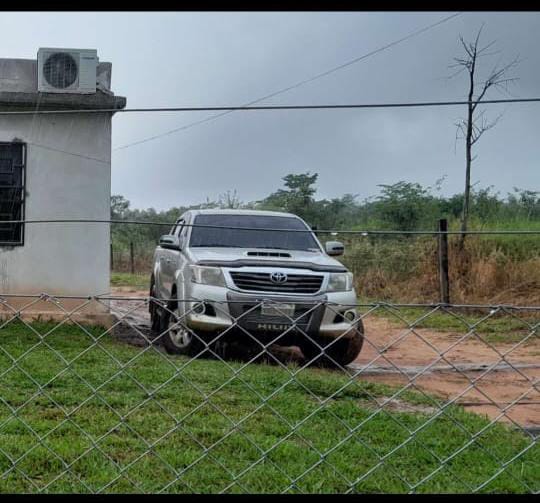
(222, 236)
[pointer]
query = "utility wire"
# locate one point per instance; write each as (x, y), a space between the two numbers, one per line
(228, 227)
(294, 86)
(276, 107)
(255, 108)
(53, 149)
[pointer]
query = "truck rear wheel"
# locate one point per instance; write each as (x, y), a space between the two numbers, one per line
(341, 351)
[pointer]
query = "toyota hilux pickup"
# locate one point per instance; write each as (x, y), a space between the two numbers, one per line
(254, 276)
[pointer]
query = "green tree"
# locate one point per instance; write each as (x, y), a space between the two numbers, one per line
(296, 198)
(119, 207)
(404, 205)
(527, 202)
(485, 205)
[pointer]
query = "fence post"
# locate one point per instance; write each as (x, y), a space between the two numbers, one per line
(132, 257)
(444, 281)
(112, 258)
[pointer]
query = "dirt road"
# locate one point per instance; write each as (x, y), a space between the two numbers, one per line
(483, 378)
(499, 380)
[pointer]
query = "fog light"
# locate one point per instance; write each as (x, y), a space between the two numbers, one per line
(199, 308)
(350, 315)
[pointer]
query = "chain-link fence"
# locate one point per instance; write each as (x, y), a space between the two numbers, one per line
(134, 394)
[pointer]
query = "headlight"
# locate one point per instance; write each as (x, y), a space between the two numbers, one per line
(207, 275)
(340, 281)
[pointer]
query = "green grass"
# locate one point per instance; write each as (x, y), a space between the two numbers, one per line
(510, 247)
(141, 281)
(499, 327)
(214, 430)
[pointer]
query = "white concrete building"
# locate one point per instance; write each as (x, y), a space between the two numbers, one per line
(55, 166)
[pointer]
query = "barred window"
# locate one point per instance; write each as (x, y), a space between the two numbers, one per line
(12, 182)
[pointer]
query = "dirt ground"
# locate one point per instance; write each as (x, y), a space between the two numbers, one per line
(436, 362)
(471, 382)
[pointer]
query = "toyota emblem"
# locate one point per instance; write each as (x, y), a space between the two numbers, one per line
(278, 277)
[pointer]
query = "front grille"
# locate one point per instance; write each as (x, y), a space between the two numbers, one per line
(261, 282)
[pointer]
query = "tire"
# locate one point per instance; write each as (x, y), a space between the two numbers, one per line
(153, 308)
(176, 338)
(342, 351)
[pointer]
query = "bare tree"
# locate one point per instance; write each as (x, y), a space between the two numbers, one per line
(230, 200)
(476, 124)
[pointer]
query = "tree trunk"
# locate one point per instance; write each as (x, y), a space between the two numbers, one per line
(467, 193)
(468, 160)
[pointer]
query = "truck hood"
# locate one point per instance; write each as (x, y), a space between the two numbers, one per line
(239, 257)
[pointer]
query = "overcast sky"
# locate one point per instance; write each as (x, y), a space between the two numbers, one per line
(198, 59)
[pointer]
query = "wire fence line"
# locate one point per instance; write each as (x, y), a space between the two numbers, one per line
(271, 229)
(386, 263)
(109, 407)
(399, 265)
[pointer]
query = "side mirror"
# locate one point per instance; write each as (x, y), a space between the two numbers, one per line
(170, 242)
(334, 248)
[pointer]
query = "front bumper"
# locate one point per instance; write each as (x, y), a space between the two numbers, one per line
(227, 310)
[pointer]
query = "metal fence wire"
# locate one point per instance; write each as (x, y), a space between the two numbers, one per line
(442, 398)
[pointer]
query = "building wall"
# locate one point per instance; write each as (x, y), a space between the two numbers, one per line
(68, 176)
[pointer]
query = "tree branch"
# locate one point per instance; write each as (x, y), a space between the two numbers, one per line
(484, 126)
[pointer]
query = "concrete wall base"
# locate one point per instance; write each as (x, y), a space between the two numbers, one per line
(92, 313)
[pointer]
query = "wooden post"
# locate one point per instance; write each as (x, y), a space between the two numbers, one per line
(132, 257)
(444, 281)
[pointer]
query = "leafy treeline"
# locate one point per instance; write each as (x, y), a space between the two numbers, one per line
(400, 206)
(501, 268)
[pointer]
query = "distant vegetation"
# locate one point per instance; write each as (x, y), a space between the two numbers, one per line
(499, 268)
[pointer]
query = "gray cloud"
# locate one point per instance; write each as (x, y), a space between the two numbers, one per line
(162, 59)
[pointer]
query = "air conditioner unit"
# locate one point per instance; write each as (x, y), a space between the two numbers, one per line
(67, 70)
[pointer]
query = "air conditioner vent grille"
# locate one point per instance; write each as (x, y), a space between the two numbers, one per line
(60, 70)
(66, 71)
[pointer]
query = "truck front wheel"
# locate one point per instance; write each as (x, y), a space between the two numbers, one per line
(176, 336)
(329, 352)
(153, 307)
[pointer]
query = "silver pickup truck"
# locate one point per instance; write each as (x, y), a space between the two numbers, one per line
(255, 276)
